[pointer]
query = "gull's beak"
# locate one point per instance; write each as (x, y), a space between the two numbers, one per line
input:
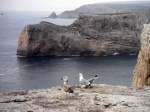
(61, 78)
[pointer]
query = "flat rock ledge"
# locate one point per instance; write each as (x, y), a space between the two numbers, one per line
(99, 98)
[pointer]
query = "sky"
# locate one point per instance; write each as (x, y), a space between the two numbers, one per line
(47, 5)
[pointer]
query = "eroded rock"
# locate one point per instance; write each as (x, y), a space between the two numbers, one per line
(89, 35)
(142, 69)
(99, 98)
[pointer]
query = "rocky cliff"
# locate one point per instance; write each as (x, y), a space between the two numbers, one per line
(89, 35)
(106, 8)
(99, 98)
(142, 69)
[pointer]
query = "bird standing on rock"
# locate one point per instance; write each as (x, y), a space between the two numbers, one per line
(85, 82)
(66, 85)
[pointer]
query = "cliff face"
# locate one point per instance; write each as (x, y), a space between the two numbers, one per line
(142, 69)
(100, 98)
(106, 8)
(68, 14)
(89, 35)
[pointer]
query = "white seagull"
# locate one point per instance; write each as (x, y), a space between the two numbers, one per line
(85, 82)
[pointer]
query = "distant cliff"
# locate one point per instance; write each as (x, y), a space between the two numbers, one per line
(89, 35)
(106, 8)
(142, 69)
(52, 15)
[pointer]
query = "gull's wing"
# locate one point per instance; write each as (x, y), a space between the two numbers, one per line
(91, 80)
(84, 82)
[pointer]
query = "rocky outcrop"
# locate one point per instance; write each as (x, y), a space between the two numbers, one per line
(53, 15)
(89, 35)
(142, 69)
(99, 98)
(69, 14)
(106, 8)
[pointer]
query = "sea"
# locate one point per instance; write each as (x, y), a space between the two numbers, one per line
(24, 73)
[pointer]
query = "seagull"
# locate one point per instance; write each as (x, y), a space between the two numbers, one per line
(66, 85)
(85, 82)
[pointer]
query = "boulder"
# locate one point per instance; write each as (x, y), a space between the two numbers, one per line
(89, 35)
(142, 69)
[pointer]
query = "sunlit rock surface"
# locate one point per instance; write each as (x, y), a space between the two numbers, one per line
(103, 98)
(142, 69)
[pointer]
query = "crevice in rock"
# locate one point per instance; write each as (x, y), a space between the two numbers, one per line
(16, 101)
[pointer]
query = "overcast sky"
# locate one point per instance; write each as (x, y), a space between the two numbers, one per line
(47, 5)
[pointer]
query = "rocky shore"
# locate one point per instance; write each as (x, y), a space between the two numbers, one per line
(89, 35)
(99, 98)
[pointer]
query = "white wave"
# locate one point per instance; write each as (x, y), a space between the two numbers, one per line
(13, 70)
(116, 54)
(66, 59)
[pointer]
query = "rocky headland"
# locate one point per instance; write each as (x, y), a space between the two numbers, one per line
(106, 8)
(89, 35)
(99, 98)
(142, 69)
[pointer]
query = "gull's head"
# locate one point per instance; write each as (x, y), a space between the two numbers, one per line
(65, 78)
(96, 76)
(80, 74)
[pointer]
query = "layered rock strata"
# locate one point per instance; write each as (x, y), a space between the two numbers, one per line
(100, 98)
(142, 69)
(89, 35)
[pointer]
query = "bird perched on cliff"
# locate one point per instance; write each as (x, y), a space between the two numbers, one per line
(66, 85)
(85, 82)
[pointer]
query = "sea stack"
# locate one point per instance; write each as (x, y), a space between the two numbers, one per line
(53, 15)
(142, 69)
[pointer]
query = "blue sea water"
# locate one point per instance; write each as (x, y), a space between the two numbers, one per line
(17, 73)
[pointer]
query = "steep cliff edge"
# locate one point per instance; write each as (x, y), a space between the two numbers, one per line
(142, 69)
(89, 35)
(100, 98)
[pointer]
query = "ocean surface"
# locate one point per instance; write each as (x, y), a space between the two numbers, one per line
(17, 73)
